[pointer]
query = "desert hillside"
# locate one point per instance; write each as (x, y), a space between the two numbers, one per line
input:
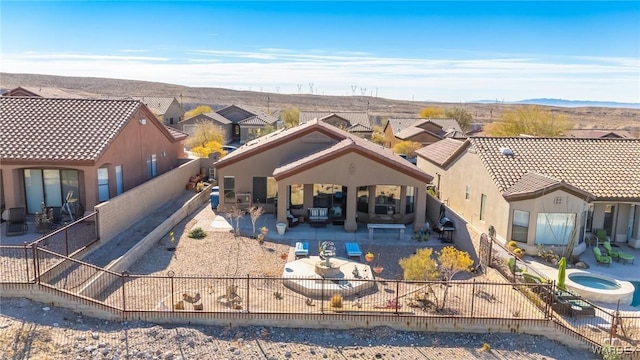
(583, 117)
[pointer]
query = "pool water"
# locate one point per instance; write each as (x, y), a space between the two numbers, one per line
(636, 294)
(594, 282)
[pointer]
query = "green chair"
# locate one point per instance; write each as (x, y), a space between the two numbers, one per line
(618, 254)
(601, 235)
(601, 259)
(614, 253)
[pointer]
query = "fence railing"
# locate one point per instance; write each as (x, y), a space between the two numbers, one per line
(18, 261)
(125, 293)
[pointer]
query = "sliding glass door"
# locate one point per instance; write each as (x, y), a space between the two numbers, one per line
(50, 186)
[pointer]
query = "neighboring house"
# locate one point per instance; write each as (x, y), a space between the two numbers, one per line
(355, 122)
(90, 148)
(168, 110)
(599, 134)
(317, 165)
(540, 191)
(242, 123)
(189, 125)
(423, 131)
(47, 92)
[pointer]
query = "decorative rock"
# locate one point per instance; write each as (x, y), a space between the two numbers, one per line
(46, 308)
(95, 336)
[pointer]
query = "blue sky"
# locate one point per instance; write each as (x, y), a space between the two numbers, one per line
(440, 51)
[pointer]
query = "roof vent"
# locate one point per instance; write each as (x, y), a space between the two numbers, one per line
(506, 151)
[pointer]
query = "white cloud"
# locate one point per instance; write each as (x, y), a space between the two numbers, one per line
(508, 78)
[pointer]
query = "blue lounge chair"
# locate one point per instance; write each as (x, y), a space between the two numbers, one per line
(302, 249)
(353, 250)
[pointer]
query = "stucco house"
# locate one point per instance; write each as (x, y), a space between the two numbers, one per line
(239, 123)
(423, 131)
(89, 149)
(355, 122)
(317, 165)
(540, 191)
(167, 109)
(189, 125)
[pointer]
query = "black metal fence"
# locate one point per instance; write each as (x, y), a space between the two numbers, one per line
(514, 299)
(18, 261)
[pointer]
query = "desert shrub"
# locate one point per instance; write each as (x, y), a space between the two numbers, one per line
(197, 233)
(336, 301)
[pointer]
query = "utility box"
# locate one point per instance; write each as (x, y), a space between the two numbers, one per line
(243, 201)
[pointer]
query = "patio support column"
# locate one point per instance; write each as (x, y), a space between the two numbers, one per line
(283, 201)
(350, 224)
(372, 201)
(403, 201)
(421, 206)
(308, 196)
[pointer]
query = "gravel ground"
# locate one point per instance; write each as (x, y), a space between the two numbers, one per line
(31, 330)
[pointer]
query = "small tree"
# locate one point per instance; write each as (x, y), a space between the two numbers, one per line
(200, 109)
(290, 117)
(235, 215)
(431, 112)
(421, 266)
(255, 212)
(206, 132)
(407, 147)
(529, 120)
(377, 136)
(462, 116)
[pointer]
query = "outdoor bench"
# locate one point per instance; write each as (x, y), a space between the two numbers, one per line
(372, 227)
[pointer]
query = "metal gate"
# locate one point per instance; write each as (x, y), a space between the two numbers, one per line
(485, 252)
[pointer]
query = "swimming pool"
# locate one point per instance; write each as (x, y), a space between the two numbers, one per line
(595, 282)
(636, 294)
(601, 288)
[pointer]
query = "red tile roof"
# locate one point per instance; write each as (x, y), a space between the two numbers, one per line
(37, 129)
(609, 169)
(441, 151)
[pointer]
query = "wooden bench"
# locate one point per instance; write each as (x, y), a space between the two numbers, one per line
(372, 227)
(318, 216)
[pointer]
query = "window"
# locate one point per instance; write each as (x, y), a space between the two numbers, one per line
(554, 228)
(387, 199)
(49, 186)
(103, 184)
(520, 226)
(410, 200)
(467, 192)
(229, 184)
(483, 206)
(152, 166)
(265, 190)
(119, 180)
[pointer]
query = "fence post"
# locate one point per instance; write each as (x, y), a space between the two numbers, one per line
(36, 263)
(247, 295)
(171, 274)
(322, 296)
(26, 260)
(473, 296)
(397, 295)
(124, 298)
(66, 240)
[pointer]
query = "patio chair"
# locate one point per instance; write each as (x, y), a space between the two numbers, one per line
(292, 220)
(601, 236)
(16, 221)
(618, 254)
(614, 253)
(601, 259)
(302, 249)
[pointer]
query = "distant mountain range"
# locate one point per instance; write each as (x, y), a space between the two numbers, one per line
(566, 103)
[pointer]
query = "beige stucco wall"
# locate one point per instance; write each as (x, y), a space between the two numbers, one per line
(468, 170)
(546, 204)
(337, 171)
(130, 148)
(174, 111)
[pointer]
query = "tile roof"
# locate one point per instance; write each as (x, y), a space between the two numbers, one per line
(353, 117)
(606, 168)
(533, 184)
(440, 151)
(48, 92)
(400, 124)
(599, 133)
(213, 116)
(251, 112)
(177, 134)
(346, 142)
(34, 128)
(158, 105)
